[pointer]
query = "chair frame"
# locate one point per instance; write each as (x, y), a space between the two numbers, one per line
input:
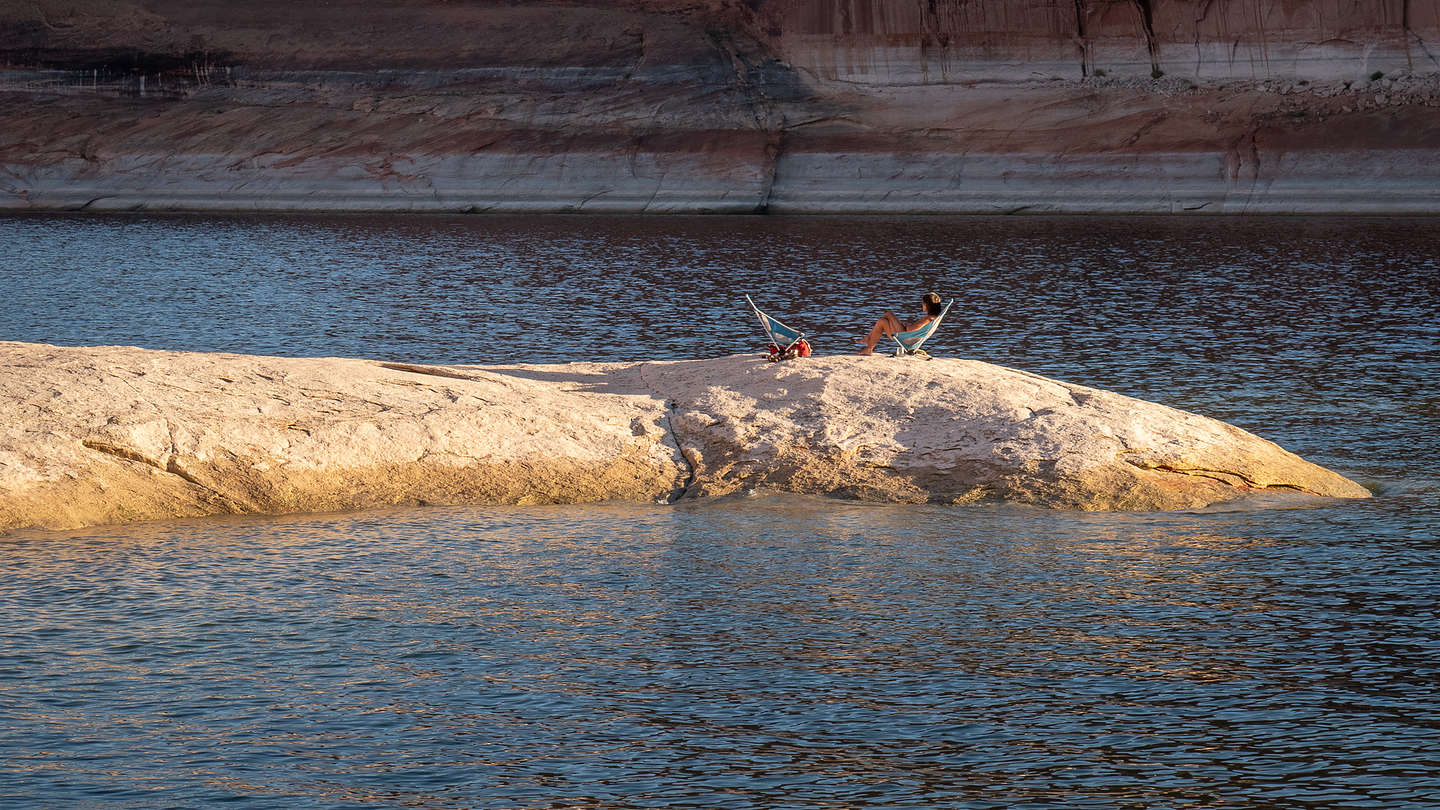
(774, 337)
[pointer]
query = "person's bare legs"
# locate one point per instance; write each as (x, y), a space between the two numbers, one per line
(887, 325)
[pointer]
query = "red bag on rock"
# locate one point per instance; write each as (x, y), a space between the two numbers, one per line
(800, 348)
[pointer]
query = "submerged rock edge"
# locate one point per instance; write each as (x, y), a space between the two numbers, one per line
(97, 435)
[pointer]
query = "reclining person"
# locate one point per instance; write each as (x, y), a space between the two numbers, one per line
(890, 325)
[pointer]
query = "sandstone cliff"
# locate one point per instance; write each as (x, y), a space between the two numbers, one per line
(117, 434)
(721, 105)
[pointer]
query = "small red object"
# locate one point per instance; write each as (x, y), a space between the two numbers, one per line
(800, 348)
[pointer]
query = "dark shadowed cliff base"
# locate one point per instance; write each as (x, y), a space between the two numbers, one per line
(761, 106)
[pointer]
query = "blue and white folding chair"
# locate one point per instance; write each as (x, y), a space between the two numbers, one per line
(786, 340)
(909, 342)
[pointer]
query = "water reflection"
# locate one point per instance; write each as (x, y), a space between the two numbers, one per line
(760, 651)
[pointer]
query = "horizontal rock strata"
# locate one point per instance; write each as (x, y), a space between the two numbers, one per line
(786, 106)
(117, 434)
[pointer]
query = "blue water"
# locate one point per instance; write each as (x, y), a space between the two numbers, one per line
(773, 652)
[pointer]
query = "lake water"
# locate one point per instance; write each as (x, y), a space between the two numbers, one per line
(767, 652)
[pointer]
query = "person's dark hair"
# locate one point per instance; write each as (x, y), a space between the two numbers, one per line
(932, 304)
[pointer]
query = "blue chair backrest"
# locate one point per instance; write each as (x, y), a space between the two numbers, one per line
(910, 341)
(780, 334)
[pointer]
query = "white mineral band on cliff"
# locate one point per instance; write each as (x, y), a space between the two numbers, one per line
(117, 434)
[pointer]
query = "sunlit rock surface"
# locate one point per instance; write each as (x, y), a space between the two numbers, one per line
(1249, 106)
(117, 434)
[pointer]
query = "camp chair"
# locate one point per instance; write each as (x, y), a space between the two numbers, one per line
(909, 342)
(785, 338)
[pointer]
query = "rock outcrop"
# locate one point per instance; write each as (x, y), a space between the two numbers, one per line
(117, 434)
(722, 106)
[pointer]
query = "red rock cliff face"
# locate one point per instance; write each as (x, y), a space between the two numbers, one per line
(350, 34)
(1193, 38)
(721, 105)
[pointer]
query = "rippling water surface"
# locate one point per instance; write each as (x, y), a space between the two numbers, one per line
(754, 652)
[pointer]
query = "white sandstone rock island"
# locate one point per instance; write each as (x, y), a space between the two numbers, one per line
(117, 434)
